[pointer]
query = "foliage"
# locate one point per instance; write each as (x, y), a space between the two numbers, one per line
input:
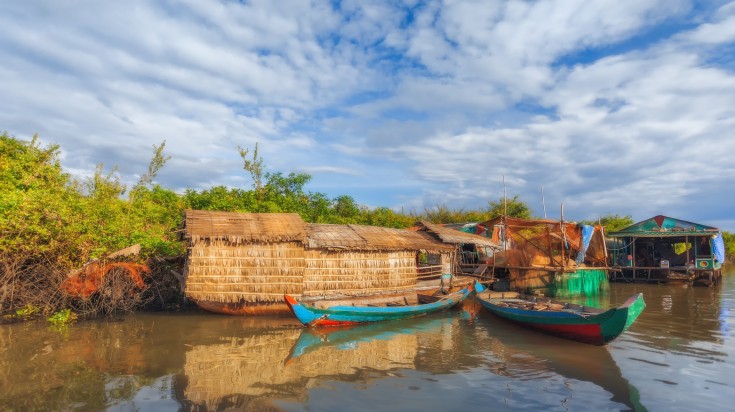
(51, 224)
(610, 222)
(443, 214)
(729, 239)
(511, 207)
(386, 217)
(62, 318)
(26, 312)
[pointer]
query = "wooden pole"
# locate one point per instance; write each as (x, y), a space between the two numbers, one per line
(543, 202)
(563, 238)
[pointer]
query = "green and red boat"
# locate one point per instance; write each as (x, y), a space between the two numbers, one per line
(354, 315)
(576, 322)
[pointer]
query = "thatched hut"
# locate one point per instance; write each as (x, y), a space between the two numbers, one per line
(469, 244)
(243, 263)
(356, 260)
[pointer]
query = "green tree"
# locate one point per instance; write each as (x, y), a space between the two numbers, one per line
(345, 210)
(255, 168)
(611, 222)
(514, 207)
(729, 239)
(385, 217)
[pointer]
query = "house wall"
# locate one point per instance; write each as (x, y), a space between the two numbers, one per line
(357, 273)
(219, 271)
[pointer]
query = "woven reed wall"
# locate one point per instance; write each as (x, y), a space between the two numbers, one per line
(220, 271)
(358, 273)
(254, 365)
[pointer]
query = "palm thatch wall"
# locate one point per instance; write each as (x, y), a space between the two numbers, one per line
(250, 257)
(247, 258)
(358, 260)
(220, 271)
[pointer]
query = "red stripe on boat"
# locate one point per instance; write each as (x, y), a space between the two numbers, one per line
(588, 333)
(329, 322)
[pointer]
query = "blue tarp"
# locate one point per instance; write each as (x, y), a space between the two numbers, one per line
(718, 247)
(587, 232)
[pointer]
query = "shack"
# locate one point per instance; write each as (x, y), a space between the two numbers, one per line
(548, 256)
(370, 261)
(665, 249)
(472, 249)
(243, 263)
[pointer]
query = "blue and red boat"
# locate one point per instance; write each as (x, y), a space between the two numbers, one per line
(354, 315)
(576, 322)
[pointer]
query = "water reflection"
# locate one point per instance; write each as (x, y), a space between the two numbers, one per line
(524, 354)
(209, 362)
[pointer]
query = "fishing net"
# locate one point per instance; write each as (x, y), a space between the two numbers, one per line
(582, 282)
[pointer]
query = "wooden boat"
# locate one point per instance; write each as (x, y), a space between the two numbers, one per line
(576, 322)
(353, 315)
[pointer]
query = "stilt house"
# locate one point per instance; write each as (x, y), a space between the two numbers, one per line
(666, 249)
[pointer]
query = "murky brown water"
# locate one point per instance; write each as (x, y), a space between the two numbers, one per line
(679, 355)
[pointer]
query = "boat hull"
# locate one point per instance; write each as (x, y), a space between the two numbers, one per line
(354, 315)
(595, 329)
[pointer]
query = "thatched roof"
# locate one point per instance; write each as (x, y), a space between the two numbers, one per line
(454, 236)
(359, 237)
(244, 227)
(326, 236)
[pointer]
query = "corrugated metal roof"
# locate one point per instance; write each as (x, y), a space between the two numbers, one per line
(661, 226)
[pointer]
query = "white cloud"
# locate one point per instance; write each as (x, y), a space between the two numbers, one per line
(608, 104)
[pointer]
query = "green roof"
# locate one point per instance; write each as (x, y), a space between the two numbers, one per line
(665, 226)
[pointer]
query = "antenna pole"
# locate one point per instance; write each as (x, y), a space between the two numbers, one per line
(505, 199)
(543, 202)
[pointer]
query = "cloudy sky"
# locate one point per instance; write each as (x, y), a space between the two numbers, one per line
(613, 106)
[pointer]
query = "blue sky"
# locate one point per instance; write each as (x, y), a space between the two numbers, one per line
(616, 106)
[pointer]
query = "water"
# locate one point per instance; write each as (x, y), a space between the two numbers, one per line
(678, 356)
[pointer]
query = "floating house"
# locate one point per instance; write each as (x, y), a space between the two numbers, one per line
(552, 257)
(472, 249)
(664, 249)
(243, 263)
(347, 261)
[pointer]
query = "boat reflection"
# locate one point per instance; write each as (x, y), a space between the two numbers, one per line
(351, 337)
(516, 352)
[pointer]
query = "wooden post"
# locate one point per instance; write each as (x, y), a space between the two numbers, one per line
(551, 251)
(563, 238)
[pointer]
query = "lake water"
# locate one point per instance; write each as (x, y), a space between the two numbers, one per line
(678, 356)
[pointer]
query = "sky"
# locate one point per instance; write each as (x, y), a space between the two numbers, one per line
(606, 107)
